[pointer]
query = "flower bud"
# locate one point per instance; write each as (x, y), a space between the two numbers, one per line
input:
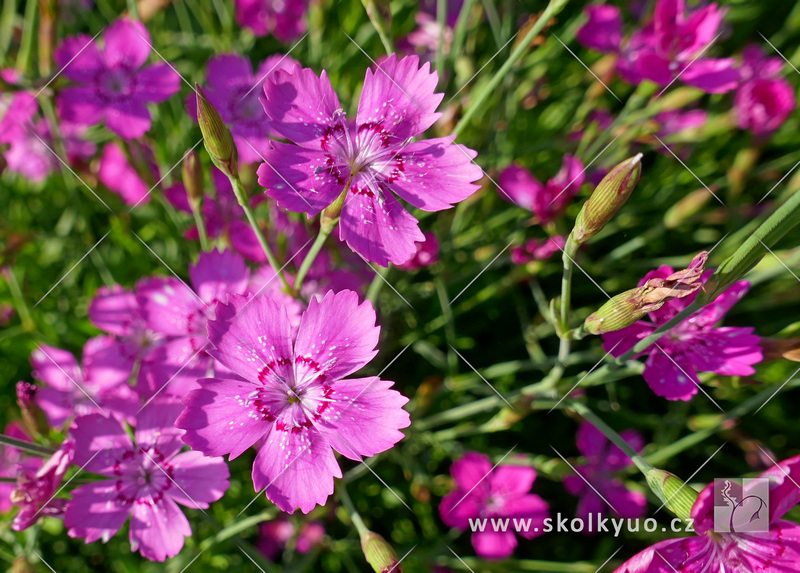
(677, 496)
(609, 196)
(192, 174)
(216, 136)
(617, 313)
(380, 554)
(627, 307)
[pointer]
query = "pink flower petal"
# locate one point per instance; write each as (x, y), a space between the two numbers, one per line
(155, 426)
(100, 443)
(300, 105)
(671, 380)
(127, 44)
(157, 83)
(491, 544)
(220, 418)
(516, 480)
(603, 30)
(168, 306)
(129, 119)
(712, 76)
(105, 363)
(518, 185)
(218, 273)
(434, 174)
(257, 343)
(80, 58)
(529, 511)
(363, 417)
(58, 368)
(201, 479)
(470, 470)
(338, 328)
(114, 310)
(96, 511)
(157, 528)
(296, 468)
(381, 231)
(299, 179)
(400, 96)
(457, 508)
(80, 105)
(119, 176)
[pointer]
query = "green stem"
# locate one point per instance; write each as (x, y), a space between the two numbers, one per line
(309, 258)
(19, 300)
(199, 222)
(344, 497)
(613, 436)
(553, 8)
(133, 9)
(236, 528)
(26, 446)
(28, 36)
(241, 197)
(376, 286)
(378, 23)
(7, 18)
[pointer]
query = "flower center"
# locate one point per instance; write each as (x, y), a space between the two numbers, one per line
(117, 82)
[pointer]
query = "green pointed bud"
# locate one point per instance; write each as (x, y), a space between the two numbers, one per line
(631, 305)
(677, 496)
(380, 554)
(608, 197)
(216, 136)
(617, 313)
(192, 174)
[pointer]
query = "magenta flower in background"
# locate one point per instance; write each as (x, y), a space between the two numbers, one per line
(117, 173)
(111, 87)
(603, 460)
(116, 311)
(273, 536)
(372, 160)
(287, 394)
(284, 19)
(547, 202)
(234, 90)
(776, 550)
(223, 216)
(500, 493)
(31, 151)
(16, 111)
(180, 314)
(98, 384)
(536, 250)
(675, 121)
(38, 482)
(763, 100)
(603, 30)
(146, 479)
(9, 458)
(695, 345)
(427, 254)
(667, 48)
